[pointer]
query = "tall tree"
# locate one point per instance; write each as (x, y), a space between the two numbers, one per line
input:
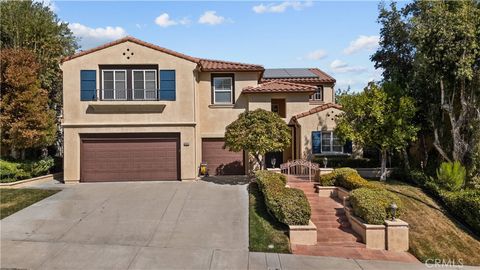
(258, 132)
(431, 50)
(26, 119)
(374, 118)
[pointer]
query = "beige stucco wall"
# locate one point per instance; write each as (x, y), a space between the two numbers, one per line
(295, 103)
(328, 96)
(321, 121)
(177, 116)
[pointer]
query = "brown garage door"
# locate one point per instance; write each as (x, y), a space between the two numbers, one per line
(139, 158)
(221, 161)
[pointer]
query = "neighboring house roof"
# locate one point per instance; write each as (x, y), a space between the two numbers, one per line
(205, 64)
(279, 87)
(317, 109)
(297, 75)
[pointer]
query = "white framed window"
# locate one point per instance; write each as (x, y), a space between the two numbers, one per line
(331, 143)
(222, 90)
(114, 84)
(144, 84)
(318, 95)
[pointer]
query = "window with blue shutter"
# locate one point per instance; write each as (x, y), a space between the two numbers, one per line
(347, 148)
(167, 85)
(316, 142)
(88, 85)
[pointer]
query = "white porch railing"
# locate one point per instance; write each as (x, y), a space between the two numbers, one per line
(300, 167)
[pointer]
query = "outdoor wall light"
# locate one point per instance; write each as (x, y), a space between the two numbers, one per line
(273, 161)
(325, 162)
(393, 209)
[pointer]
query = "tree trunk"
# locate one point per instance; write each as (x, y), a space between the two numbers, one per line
(383, 169)
(22, 154)
(405, 159)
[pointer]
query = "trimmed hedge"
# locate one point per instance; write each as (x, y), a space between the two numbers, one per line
(339, 162)
(464, 204)
(288, 205)
(347, 178)
(373, 204)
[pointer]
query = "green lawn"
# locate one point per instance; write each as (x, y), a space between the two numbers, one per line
(13, 200)
(264, 230)
(433, 233)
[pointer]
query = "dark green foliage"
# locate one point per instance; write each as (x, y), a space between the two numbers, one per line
(373, 204)
(288, 205)
(339, 162)
(451, 175)
(465, 205)
(11, 171)
(257, 132)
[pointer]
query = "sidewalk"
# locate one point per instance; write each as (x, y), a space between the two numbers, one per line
(274, 261)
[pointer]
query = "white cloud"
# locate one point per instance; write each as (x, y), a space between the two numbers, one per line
(362, 43)
(164, 20)
(282, 7)
(341, 67)
(316, 55)
(211, 17)
(48, 3)
(90, 37)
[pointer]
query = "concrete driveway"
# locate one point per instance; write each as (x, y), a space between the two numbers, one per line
(147, 225)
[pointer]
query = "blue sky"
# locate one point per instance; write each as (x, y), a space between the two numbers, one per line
(337, 37)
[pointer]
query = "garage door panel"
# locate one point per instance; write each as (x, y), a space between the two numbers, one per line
(221, 161)
(134, 159)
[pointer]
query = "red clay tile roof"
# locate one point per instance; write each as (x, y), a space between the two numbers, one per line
(218, 65)
(279, 87)
(318, 109)
(322, 78)
(205, 64)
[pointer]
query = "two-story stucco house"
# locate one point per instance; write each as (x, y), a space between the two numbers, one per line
(134, 111)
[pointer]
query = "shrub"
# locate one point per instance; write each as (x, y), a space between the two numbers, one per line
(338, 162)
(12, 171)
(347, 178)
(328, 179)
(288, 205)
(373, 204)
(465, 204)
(451, 175)
(39, 167)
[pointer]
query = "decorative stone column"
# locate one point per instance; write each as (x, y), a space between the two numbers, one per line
(396, 235)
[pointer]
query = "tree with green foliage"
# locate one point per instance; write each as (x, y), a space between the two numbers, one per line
(431, 50)
(374, 118)
(257, 132)
(26, 119)
(34, 26)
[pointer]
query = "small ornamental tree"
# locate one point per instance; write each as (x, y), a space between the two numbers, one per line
(373, 118)
(257, 132)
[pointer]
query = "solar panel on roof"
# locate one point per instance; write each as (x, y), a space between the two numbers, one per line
(288, 73)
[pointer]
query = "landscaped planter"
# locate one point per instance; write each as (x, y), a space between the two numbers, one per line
(303, 234)
(332, 191)
(26, 182)
(393, 235)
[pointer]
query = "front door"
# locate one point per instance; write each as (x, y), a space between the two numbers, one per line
(273, 159)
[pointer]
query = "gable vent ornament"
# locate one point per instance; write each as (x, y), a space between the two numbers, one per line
(127, 53)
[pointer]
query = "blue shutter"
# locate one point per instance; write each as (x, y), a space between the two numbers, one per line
(316, 142)
(88, 85)
(347, 148)
(167, 85)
